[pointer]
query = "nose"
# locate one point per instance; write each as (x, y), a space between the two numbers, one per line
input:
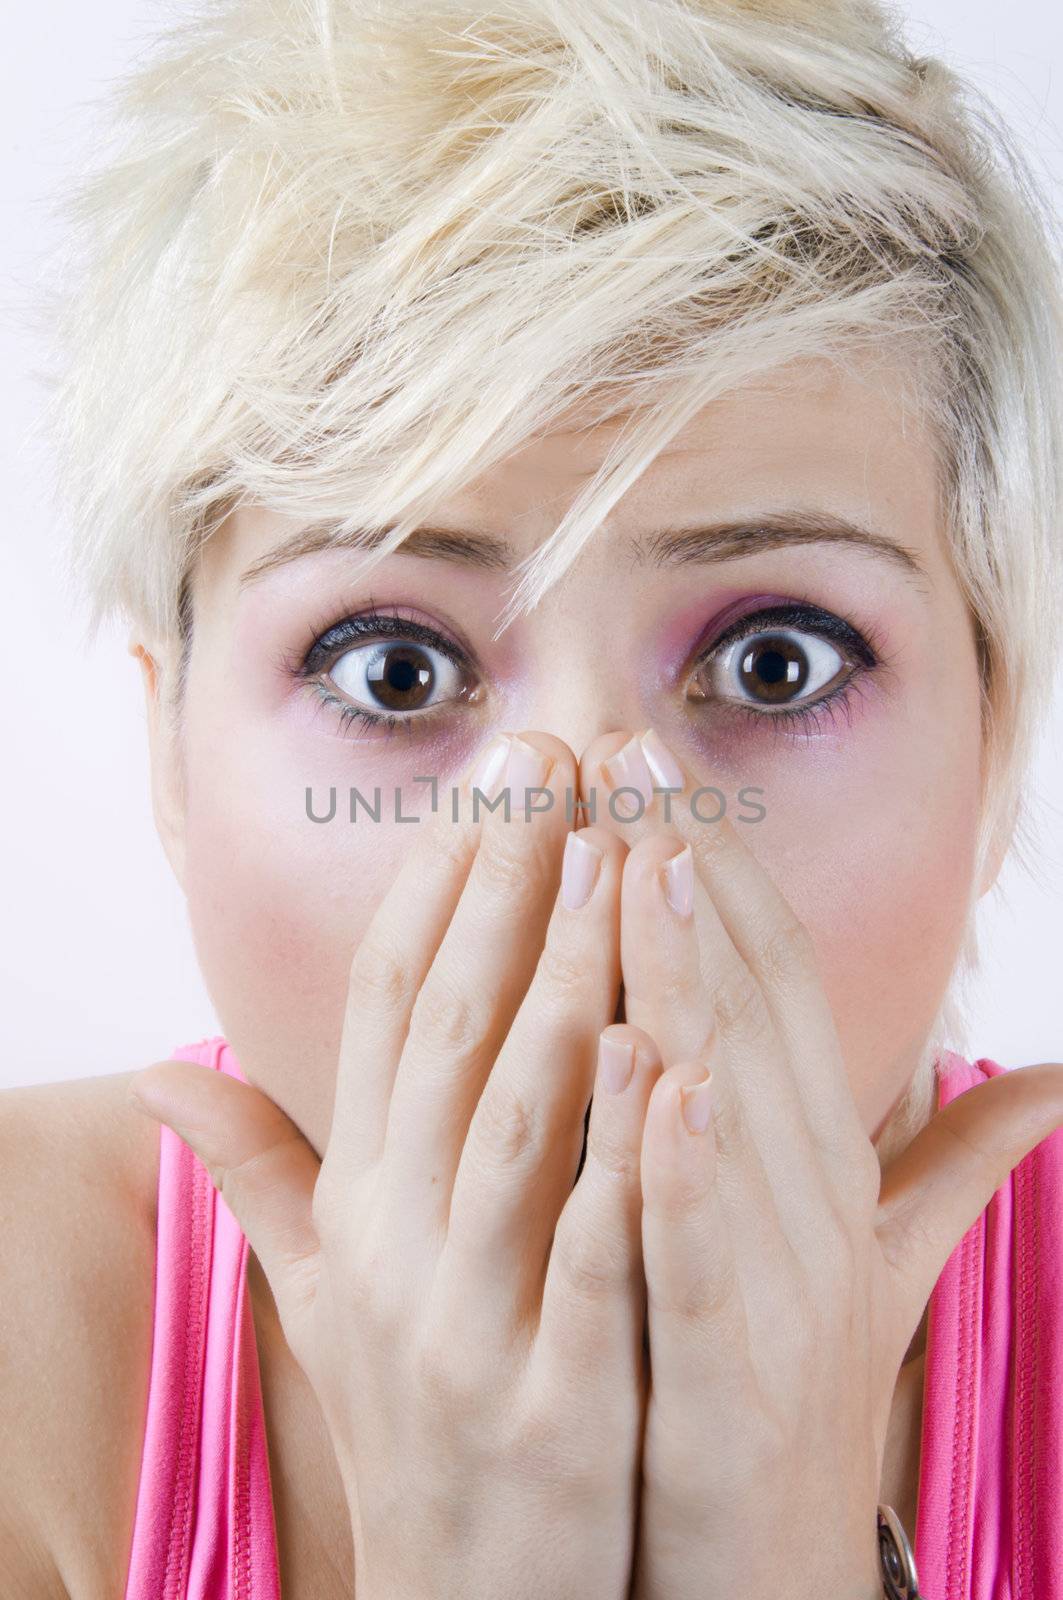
(584, 688)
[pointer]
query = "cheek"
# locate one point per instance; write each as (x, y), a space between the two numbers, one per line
(277, 902)
(873, 845)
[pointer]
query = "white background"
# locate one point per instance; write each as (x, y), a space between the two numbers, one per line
(97, 969)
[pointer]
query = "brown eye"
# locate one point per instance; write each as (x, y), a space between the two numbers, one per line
(396, 676)
(774, 667)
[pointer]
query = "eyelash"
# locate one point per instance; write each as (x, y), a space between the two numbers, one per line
(330, 639)
(866, 650)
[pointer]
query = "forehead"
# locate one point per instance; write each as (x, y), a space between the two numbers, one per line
(853, 441)
(859, 434)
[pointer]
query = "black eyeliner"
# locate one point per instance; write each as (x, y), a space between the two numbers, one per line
(374, 625)
(797, 614)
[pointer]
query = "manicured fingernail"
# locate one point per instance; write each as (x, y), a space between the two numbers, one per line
(678, 875)
(616, 1063)
(527, 768)
(667, 773)
(579, 871)
(487, 776)
(627, 769)
(696, 1101)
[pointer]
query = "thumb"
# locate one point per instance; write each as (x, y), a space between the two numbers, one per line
(936, 1188)
(258, 1160)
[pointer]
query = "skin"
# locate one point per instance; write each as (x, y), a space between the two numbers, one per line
(870, 816)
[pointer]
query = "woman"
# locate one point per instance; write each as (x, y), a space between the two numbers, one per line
(734, 332)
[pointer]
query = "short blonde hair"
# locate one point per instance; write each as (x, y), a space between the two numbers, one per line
(347, 254)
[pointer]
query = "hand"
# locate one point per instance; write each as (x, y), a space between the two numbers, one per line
(786, 1273)
(471, 1322)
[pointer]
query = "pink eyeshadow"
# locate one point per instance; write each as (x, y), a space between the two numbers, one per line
(679, 638)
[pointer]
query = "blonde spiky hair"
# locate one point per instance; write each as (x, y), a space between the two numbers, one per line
(348, 254)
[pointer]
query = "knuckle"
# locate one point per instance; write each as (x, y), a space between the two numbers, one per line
(620, 1161)
(446, 1018)
(679, 989)
(729, 1124)
(708, 1295)
(507, 1130)
(739, 1005)
(562, 974)
(785, 952)
(713, 841)
(592, 1268)
(502, 867)
(380, 975)
(450, 850)
(252, 1170)
(679, 1201)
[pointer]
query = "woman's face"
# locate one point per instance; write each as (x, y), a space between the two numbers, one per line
(868, 784)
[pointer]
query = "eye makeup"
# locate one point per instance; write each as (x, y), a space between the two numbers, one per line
(401, 661)
(776, 642)
(774, 660)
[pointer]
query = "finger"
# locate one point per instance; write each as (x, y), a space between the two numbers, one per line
(779, 953)
(674, 1179)
(624, 780)
(686, 984)
(756, 960)
(387, 970)
(664, 990)
(524, 1140)
(593, 1295)
(624, 784)
(260, 1163)
(475, 984)
(695, 1287)
(942, 1182)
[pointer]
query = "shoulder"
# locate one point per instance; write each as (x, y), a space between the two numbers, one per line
(78, 1174)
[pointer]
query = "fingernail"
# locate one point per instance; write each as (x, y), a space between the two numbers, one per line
(678, 874)
(616, 1063)
(696, 1102)
(628, 769)
(487, 775)
(527, 768)
(666, 771)
(579, 871)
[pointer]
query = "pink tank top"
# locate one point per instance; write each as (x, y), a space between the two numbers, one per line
(204, 1518)
(989, 1524)
(990, 1511)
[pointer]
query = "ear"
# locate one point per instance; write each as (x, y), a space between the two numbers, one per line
(998, 849)
(167, 785)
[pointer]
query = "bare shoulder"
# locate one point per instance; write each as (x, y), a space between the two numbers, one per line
(78, 1176)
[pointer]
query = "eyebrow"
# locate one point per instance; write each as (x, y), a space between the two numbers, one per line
(706, 543)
